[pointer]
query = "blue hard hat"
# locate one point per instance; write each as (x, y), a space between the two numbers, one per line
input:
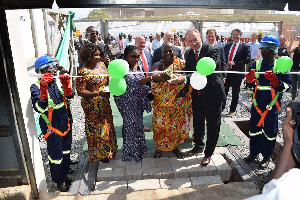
(271, 42)
(271, 39)
(43, 62)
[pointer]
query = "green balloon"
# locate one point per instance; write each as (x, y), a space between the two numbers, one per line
(206, 66)
(117, 86)
(118, 68)
(284, 64)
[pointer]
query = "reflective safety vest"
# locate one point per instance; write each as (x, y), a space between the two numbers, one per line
(52, 106)
(273, 94)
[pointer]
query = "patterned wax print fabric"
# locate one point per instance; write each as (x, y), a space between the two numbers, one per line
(100, 131)
(131, 106)
(171, 115)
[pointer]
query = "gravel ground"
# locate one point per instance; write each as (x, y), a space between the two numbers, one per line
(78, 134)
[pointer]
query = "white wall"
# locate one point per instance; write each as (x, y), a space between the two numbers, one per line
(21, 51)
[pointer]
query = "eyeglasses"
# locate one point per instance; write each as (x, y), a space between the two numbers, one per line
(93, 33)
(134, 56)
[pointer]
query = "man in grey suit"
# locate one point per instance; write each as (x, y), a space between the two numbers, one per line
(168, 37)
(237, 55)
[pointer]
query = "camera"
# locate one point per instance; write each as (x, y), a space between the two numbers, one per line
(295, 107)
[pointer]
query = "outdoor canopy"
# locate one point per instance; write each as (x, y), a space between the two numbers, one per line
(294, 5)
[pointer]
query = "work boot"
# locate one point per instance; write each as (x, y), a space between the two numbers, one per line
(265, 163)
(251, 158)
(63, 187)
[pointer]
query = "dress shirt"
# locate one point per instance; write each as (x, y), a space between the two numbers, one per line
(254, 47)
(155, 45)
(236, 47)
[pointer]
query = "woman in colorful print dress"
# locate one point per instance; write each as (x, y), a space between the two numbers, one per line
(171, 112)
(100, 131)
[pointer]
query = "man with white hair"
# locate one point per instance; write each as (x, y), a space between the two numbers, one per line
(168, 37)
(156, 43)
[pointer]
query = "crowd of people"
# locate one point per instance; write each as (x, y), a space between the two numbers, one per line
(157, 85)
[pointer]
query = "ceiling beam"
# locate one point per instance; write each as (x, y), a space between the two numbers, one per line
(294, 5)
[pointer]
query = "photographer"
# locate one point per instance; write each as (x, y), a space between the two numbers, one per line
(287, 159)
(283, 183)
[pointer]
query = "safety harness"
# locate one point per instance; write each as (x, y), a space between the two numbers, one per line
(273, 94)
(52, 106)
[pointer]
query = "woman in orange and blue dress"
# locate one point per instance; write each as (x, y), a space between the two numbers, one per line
(171, 112)
(100, 131)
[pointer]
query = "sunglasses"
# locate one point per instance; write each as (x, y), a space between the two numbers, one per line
(134, 56)
(93, 33)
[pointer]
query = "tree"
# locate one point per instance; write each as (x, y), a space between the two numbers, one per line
(97, 14)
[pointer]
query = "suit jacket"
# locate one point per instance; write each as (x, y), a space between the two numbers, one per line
(241, 58)
(149, 61)
(213, 93)
(221, 64)
(157, 54)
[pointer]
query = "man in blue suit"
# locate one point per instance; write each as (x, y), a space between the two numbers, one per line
(237, 55)
(145, 61)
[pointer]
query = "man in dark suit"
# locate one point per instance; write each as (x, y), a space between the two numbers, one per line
(168, 37)
(211, 40)
(92, 37)
(237, 55)
(207, 103)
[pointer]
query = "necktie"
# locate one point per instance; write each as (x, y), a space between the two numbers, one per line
(196, 55)
(145, 66)
(231, 53)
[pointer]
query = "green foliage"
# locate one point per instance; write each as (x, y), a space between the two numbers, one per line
(97, 14)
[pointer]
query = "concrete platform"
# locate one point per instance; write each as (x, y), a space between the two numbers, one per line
(230, 191)
(163, 168)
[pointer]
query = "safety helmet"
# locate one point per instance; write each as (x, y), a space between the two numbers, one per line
(43, 62)
(271, 42)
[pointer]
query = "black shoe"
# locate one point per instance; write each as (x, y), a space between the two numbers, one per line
(63, 187)
(105, 160)
(157, 154)
(178, 153)
(265, 163)
(251, 158)
(195, 151)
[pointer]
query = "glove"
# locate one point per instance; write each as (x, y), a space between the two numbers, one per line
(250, 76)
(46, 78)
(65, 81)
(271, 76)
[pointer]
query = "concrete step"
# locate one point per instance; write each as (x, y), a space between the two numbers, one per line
(230, 191)
(155, 184)
(163, 168)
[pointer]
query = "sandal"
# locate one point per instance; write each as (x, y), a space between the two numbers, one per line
(178, 153)
(205, 161)
(157, 154)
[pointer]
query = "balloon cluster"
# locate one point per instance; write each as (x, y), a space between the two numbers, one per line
(205, 66)
(117, 69)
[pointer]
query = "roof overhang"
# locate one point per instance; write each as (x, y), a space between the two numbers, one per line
(217, 4)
